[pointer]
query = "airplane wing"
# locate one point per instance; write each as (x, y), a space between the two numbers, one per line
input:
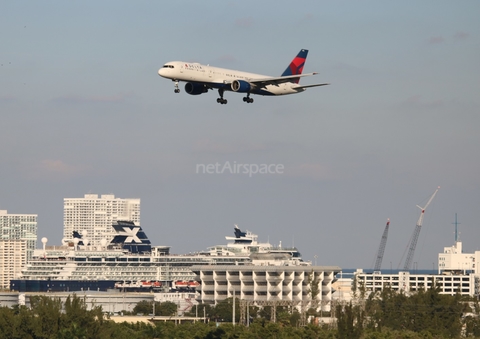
(278, 80)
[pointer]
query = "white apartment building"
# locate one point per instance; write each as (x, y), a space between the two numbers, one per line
(454, 260)
(465, 284)
(93, 216)
(12, 260)
(458, 272)
(19, 227)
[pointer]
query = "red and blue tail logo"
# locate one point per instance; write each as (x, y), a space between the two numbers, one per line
(296, 66)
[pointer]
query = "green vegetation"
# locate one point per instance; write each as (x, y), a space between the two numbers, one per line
(162, 309)
(426, 314)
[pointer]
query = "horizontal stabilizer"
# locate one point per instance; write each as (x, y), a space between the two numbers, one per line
(315, 85)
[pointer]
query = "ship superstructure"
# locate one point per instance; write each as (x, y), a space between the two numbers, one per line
(246, 243)
(131, 262)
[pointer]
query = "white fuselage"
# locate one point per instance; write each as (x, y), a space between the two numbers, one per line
(221, 77)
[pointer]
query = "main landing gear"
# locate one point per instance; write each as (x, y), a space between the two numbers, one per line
(221, 100)
(176, 90)
(247, 99)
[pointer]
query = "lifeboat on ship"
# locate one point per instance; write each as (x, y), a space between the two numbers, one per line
(153, 283)
(186, 285)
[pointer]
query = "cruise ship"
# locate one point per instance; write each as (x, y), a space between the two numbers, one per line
(130, 263)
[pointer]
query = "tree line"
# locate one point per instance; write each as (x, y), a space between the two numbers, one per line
(388, 314)
(423, 314)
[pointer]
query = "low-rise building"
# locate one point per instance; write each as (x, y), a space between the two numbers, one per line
(458, 272)
(269, 278)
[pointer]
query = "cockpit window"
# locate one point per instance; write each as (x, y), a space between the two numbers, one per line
(168, 66)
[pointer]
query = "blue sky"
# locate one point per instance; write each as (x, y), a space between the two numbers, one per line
(84, 111)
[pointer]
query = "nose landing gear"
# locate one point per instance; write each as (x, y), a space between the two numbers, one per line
(176, 90)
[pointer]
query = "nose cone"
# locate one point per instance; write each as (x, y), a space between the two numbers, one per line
(161, 72)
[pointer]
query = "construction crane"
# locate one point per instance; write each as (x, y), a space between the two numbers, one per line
(416, 233)
(381, 249)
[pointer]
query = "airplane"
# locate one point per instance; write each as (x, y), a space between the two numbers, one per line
(201, 78)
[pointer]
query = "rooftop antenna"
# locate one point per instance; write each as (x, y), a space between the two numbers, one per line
(456, 228)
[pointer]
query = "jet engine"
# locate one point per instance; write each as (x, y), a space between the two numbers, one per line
(195, 89)
(241, 86)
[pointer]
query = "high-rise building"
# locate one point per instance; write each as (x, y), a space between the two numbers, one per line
(13, 256)
(19, 227)
(93, 216)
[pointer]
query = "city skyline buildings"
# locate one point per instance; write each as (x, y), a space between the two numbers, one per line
(18, 238)
(93, 216)
(13, 257)
(19, 227)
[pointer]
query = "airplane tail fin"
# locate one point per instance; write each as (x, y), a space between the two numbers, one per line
(296, 66)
